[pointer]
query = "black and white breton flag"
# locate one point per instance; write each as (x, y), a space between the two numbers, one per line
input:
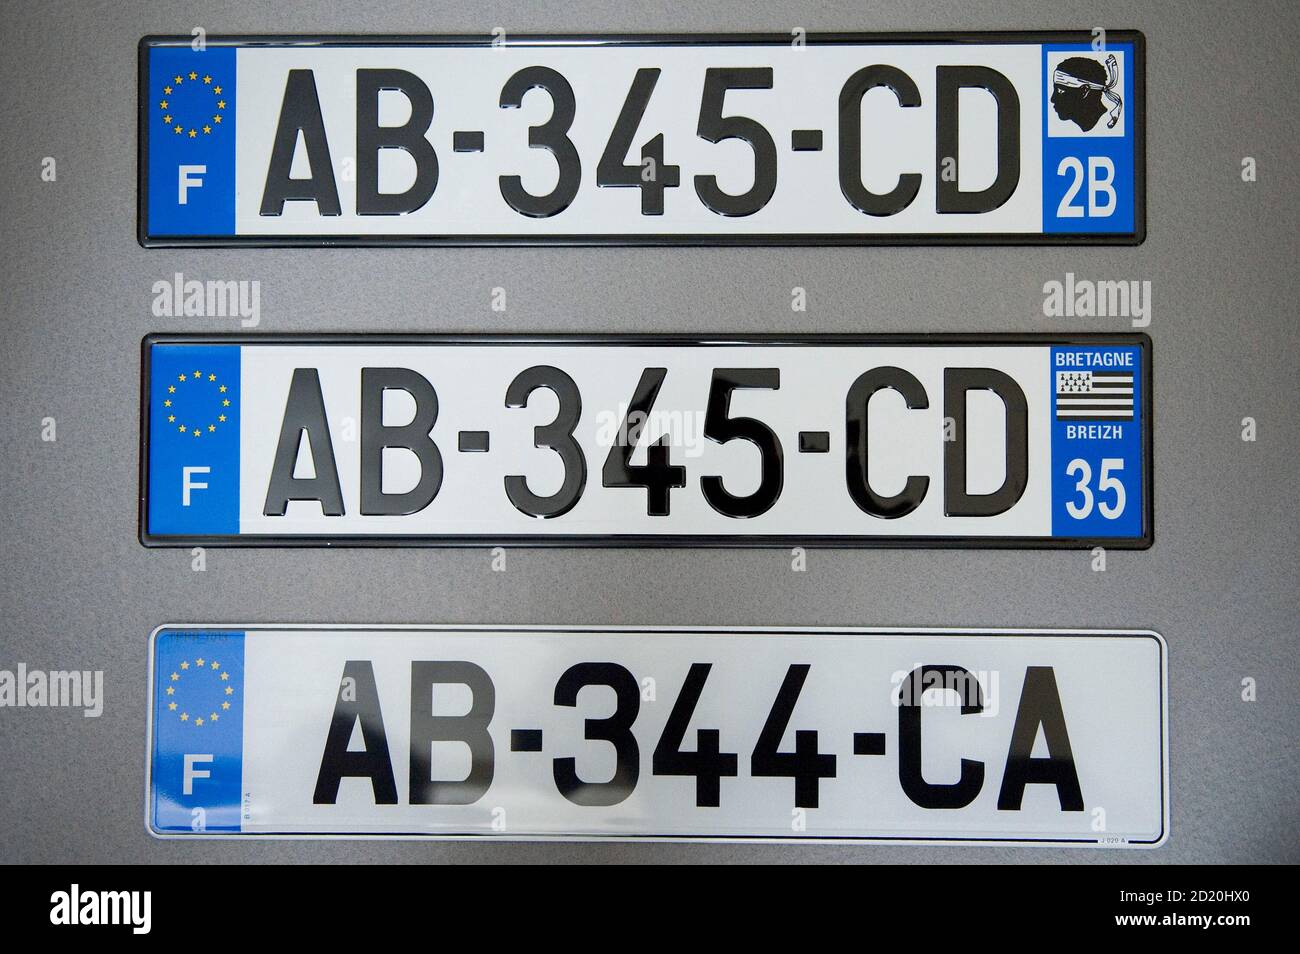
(1096, 394)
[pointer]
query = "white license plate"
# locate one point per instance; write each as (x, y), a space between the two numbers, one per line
(956, 440)
(963, 736)
(1010, 138)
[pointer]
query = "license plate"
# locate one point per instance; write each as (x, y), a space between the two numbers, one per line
(955, 440)
(964, 736)
(845, 139)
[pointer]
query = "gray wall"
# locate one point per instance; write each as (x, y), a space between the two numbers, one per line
(78, 591)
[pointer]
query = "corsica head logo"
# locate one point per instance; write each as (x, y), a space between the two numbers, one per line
(1083, 90)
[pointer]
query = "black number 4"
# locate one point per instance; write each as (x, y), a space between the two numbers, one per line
(658, 476)
(707, 763)
(805, 764)
(652, 176)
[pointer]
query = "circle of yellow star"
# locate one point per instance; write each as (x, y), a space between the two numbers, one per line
(193, 379)
(200, 665)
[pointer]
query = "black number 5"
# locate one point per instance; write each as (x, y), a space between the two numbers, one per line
(720, 427)
(716, 127)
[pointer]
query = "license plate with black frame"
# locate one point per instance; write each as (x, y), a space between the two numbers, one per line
(842, 440)
(725, 139)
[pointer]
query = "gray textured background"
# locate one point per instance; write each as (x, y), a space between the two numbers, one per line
(78, 591)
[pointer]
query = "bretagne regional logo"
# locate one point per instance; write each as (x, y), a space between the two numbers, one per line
(202, 686)
(197, 403)
(195, 109)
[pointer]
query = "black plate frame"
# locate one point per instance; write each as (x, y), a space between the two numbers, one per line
(1137, 237)
(1131, 339)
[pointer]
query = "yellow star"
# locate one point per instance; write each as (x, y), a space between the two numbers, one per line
(167, 90)
(196, 432)
(225, 676)
(222, 389)
(226, 403)
(213, 717)
(171, 690)
(194, 133)
(221, 104)
(212, 377)
(167, 403)
(175, 676)
(178, 80)
(221, 418)
(230, 690)
(185, 717)
(225, 705)
(162, 103)
(178, 130)
(215, 664)
(182, 428)
(171, 418)
(193, 75)
(180, 377)
(216, 119)
(207, 79)
(207, 130)
(171, 707)
(167, 119)
(199, 720)
(211, 428)
(197, 375)
(199, 661)
(171, 388)
(185, 665)
(216, 90)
